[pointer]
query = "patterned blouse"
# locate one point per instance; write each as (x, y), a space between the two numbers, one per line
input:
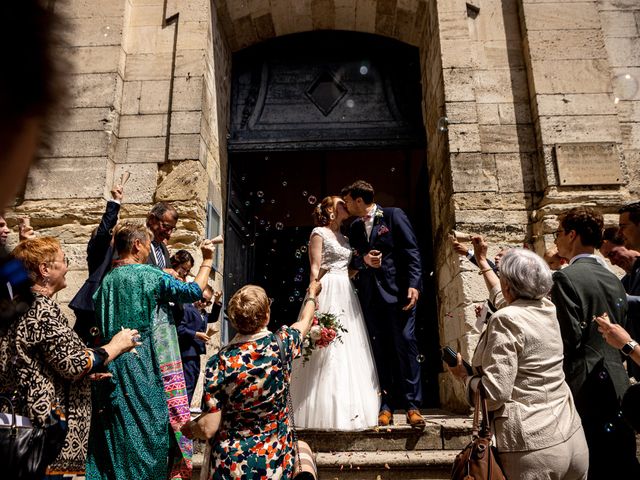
(247, 383)
(40, 356)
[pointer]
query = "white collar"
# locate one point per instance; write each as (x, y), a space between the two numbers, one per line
(597, 258)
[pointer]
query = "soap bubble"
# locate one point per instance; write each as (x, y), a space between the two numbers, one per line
(603, 375)
(261, 201)
(262, 222)
(260, 194)
(273, 200)
(625, 87)
(312, 199)
(291, 299)
(297, 278)
(393, 169)
(247, 203)
(583, 325)
(266, 157)
(304, 193)
(364, 70)
(301, 270)
(279, 225)
(237, 210)
(609, 427)
(303, 249)
(619, 303)
(298, 255)
(284, 183)
(230, 275)
(420, 358)
(243, 178)
(350, 103)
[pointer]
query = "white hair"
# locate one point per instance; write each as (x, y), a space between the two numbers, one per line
(526, 274)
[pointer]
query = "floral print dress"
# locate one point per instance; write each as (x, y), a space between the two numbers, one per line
(246, 381)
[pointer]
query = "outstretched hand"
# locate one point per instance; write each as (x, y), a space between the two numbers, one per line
(459, 371)
(613, 334)
(480, 248)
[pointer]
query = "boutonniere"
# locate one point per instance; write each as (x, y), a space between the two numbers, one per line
(379, 213)
(382, 229)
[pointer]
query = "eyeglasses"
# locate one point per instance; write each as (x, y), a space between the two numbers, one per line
(557, 233)
(167, 226)
(206, 303)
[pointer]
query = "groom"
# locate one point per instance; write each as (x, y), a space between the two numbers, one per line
(389, 281)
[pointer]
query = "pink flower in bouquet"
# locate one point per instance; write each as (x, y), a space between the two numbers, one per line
(327, 335)
(326, 328)
(315, 333)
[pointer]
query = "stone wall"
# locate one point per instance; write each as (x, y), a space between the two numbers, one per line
(151, 95)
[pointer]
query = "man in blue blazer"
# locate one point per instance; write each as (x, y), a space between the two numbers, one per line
(192, 335)
(389, 281)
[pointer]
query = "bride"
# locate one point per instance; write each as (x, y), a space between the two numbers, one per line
(337, 389)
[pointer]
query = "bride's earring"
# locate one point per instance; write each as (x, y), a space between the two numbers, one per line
(332, 216)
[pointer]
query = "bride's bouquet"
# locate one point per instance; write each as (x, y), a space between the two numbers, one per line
(325, 329)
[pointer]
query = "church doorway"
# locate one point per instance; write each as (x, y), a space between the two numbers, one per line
(311, 113)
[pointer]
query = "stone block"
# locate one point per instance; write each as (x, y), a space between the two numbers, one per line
(461, 112)
(142, 183)
(90, 9)
(185, 122)
(453, 26)
(187, 181)
(83, 119)
(66, 178)
(497, 22)
(93, 32)
(596, 128)
(561, 15)
(264, 27)
(631, 136)
(624, 51)
(345, 15)
(618, 23)
(131, 98)
(145, 15)
(507, 138)
(142, 125)
(143, 150)
(79, 144)
(154, 96)
(472, 172)
(102, 59)
(184, 147)
(488, 113)
(138, 40)
(464, 137)
(92, 90)
(190, 63)
(629, 111)
(187, 93)
(459, 84)
(575, 104)
(458, 54)
(617, 5)
(366, 15)
(571, 76)
(192, 36)
(499, 54)
(146, 66)
(566, 45)
(486, 200)
(515, 173)
(514, 113)
(502, 86)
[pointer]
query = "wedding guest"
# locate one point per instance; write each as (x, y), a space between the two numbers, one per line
(46, 363)
(100, 254)
(553, 259)
(182, 262)
(583, 290)
(4, 231)
(518, 362)
(193, 336)
(161, 221)
(135, 432)
(245, 385)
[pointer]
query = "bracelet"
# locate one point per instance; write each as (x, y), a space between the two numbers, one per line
(310, 299)
(206, 266)
(484, 270)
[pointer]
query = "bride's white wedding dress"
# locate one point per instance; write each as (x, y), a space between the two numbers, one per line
(337, 389)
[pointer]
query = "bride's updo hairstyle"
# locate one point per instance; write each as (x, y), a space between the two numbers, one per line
(248, 309)
(325, 211)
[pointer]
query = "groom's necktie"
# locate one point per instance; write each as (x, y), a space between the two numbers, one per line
(159, 255)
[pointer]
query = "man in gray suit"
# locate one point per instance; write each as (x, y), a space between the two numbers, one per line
(594, 371)
(162, 220)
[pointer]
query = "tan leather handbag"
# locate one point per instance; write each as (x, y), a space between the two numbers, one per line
(478, 460)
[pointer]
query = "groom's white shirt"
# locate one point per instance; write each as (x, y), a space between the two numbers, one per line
(368, 223)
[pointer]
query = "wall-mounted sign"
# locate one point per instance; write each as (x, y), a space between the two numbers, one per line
(588, 164)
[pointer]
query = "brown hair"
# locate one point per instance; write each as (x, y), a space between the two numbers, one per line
(586, 222)
(36, 251)
(248, 309)
(325, 211)
(360, 189)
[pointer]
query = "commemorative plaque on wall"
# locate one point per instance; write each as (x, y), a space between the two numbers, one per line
(588, 164)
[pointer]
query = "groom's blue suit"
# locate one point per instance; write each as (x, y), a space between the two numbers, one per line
(382, 293)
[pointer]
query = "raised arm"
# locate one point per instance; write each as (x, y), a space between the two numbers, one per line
(315, 256)
(306, 316)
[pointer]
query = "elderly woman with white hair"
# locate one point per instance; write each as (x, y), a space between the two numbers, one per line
(518, 360)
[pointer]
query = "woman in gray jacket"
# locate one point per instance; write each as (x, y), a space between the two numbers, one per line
(519, 362)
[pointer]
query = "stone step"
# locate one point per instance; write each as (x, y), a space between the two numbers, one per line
(443, 431)
(381, 465)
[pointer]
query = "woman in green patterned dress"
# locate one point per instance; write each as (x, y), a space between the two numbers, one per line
(137, 416)
(245, 391)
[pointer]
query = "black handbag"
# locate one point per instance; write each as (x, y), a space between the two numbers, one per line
(27, 451)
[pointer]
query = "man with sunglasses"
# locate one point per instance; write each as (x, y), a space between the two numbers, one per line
(161, 221)
(193, 337)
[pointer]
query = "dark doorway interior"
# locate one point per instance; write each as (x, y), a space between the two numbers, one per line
(269, 223)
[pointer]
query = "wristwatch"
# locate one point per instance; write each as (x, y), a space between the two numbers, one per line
(627, 348)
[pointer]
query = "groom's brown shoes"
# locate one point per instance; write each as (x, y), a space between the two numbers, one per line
(384, 418)
(414, 418)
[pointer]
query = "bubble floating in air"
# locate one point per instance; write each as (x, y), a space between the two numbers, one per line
(284, 183)
(625, 87)
(304, 193)
(303, 248)
(259, 194)
(420, 358)
(298, 254)
(312, 199)
(279, 225)
(350, 103)
(364, 70)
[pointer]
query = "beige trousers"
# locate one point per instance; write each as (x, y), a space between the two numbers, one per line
(566, 461)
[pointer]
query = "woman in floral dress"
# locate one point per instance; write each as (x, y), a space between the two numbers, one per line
(245, 391)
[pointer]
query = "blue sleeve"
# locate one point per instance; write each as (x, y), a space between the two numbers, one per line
(184, 325)
(172, 290)
(406, 239)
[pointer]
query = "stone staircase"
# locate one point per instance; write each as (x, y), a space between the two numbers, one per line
(397, 452)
